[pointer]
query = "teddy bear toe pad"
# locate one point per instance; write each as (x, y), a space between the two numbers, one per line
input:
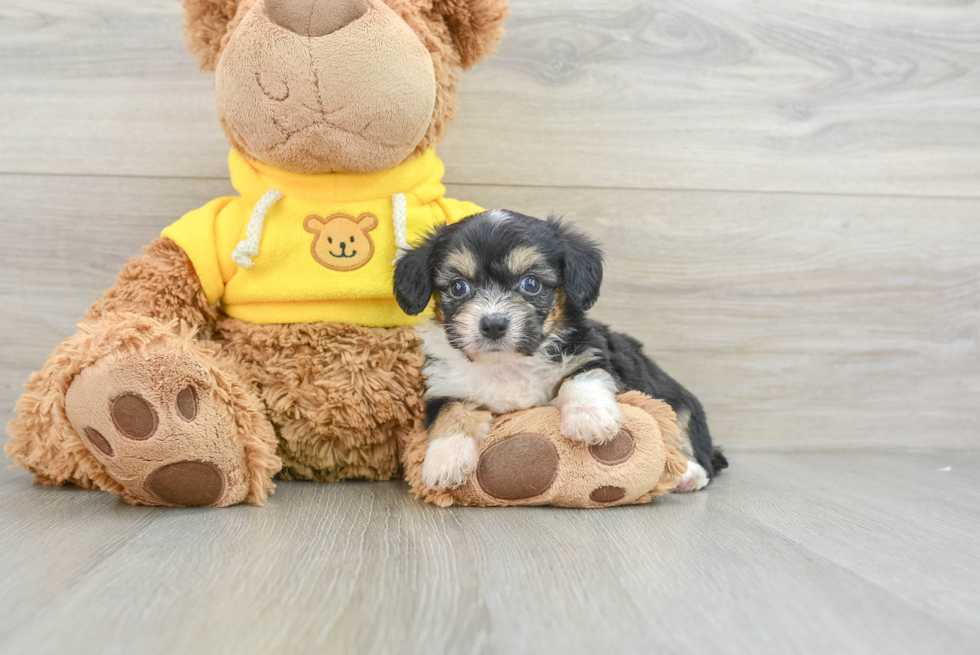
(615, 451)
(157, 425)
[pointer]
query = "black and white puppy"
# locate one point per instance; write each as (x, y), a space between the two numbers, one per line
(510, 331)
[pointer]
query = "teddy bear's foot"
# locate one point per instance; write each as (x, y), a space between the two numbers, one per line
(536, 468)
(158, 424)
(527, 461)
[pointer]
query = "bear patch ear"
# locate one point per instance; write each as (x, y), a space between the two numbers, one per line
(205, 25)
(476, 26)
(581, 265)
(313, 224)
(367, 222)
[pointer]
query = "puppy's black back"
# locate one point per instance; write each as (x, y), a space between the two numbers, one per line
(633, 370)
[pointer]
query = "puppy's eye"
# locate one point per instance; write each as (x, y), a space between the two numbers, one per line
(459, 288)
(530, 285)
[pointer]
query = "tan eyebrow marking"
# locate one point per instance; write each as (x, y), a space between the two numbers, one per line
(555, 320)
(521, 259)
(463, 261)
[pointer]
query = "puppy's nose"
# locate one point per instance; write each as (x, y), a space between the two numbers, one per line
(495, 326)
(315, 17)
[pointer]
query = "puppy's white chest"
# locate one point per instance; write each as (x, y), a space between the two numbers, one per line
(502, 386)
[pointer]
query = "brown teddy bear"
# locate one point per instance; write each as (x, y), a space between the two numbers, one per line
(259, 335)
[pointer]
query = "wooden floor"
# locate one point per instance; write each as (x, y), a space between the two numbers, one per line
(789, 198)
(789, 553)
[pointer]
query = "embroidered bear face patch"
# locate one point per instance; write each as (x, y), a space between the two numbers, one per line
(341, 242)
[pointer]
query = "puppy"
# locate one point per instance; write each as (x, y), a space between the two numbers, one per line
(510, 331)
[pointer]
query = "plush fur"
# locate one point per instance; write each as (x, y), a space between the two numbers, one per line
(511, 332)
(342, 397)
(206, 23)
(161, 284)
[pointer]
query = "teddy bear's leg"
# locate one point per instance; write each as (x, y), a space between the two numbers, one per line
(342, 397)
(527, 461)
(130, 343)
(139, 408)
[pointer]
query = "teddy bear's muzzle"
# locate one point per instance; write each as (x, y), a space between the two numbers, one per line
(357, 99)
(315, 17)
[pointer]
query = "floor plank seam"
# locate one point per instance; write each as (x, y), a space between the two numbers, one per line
(505, 185)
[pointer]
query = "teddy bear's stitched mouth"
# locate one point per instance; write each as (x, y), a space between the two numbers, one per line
(342, 255)
(305, 130)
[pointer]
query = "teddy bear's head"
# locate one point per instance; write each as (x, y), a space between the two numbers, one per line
(352, 86)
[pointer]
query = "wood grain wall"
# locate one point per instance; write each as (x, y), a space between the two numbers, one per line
(788, 192)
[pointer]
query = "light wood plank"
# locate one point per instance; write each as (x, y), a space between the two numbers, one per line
(887, 499)
(745, 566)
(52, 540)
(818, 95)
(801, 321)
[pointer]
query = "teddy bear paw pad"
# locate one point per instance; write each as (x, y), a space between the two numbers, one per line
(156, 424)
(187, 484)
(519, 467)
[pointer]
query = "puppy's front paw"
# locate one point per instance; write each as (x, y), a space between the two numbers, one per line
(449, 461)
(589, 412)
(594, 422)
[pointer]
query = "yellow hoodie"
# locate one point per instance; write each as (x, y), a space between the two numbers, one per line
(294, 248)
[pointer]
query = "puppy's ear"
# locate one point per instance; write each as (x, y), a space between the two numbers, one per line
(476, 26)
(205, 25)
(581, 265)
(413, 278)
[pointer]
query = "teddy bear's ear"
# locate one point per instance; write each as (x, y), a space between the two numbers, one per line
(205, 25)
(476, 26)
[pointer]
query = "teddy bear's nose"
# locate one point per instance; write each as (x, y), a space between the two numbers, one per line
(315, 17)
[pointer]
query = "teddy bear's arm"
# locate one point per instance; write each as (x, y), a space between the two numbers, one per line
(161, 284)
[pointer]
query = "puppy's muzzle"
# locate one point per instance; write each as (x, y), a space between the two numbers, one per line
(494, 327)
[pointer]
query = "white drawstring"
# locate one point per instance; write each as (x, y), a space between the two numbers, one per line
(399, 218)
(249, 247)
